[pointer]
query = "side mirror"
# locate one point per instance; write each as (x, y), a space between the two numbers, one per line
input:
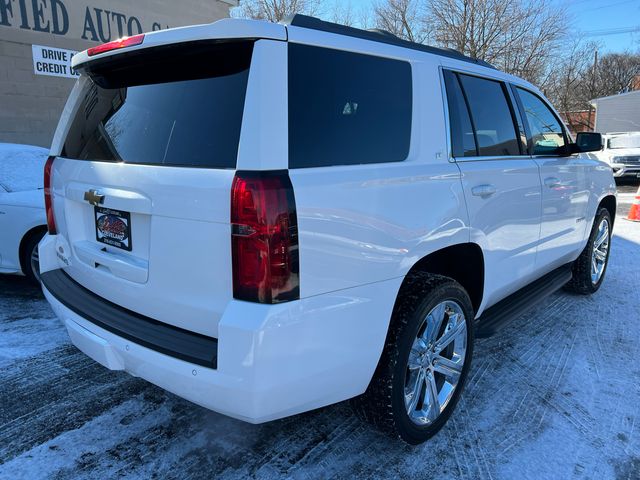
(587, 142)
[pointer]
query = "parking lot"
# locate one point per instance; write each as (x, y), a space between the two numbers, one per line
(555, 394)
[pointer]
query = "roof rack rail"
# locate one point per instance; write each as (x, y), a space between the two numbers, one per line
(380, 31)
(375, 35)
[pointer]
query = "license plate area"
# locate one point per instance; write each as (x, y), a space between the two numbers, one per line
(113, 227)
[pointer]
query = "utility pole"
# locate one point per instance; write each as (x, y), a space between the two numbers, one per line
(594, 72)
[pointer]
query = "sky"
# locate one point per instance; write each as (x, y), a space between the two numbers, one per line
(598, 20)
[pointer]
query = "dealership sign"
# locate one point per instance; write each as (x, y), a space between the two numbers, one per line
(70, 18)
(55, 62)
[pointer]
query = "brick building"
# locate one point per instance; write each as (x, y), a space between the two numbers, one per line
(579, 121)
(38, 38)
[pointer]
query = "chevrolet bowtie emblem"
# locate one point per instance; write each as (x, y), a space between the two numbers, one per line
(93, 197)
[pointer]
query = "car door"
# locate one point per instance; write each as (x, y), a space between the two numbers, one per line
(501, 182)
(564, 179)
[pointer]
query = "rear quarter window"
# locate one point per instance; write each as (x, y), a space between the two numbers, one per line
(179, 106)
(462, 135)
(347, 108)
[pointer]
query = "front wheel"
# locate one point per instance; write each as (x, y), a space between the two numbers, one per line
(425, 362)
(590, 267)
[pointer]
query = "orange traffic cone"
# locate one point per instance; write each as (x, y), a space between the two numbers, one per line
(634, 213)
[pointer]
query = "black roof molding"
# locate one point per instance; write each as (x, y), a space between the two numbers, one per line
(376, 35)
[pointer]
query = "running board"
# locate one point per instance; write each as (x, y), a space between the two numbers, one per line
(518, 303)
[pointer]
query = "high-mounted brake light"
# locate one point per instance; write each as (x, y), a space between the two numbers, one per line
(264, 237)
(48, 196)
(116, 44)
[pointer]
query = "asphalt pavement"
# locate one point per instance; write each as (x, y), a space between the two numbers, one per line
(555, 394)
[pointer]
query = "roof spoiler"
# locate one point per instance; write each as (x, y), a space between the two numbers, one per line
(225, 29)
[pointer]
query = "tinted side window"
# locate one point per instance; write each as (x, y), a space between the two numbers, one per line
(495, 131)
(463, 142)
(347, 108)
(547, 136)
(139, 111)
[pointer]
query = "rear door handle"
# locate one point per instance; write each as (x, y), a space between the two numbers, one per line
(483, 190)
(552, 182)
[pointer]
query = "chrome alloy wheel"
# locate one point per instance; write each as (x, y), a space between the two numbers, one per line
(600, 251)
(435, 363)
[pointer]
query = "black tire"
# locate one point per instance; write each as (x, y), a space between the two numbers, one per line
(581, 282)
(383, 404)
(28, 247)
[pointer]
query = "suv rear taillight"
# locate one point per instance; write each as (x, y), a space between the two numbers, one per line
(264, 237)
(116, 44)
(48, 196)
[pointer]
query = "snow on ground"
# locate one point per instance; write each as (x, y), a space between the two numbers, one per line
(556, 394)
(22, 166)
(22, 308)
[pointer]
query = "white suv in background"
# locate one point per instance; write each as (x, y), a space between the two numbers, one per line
(622, 152)
(270, 218)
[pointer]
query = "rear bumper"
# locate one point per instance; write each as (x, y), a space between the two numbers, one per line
(145, 331)
(272, 360)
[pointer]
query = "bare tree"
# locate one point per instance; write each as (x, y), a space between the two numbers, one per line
(615, 73)
(569, 74)
(581, 76)
(521, 37)
(565, 82)
(275, 10)
(344, 14)
(403, 18)
(517, 36)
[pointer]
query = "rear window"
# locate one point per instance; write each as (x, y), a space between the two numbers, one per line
(347, 108)
(179, 105)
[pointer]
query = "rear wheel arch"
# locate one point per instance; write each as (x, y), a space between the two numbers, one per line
(39, 230)
(462, 262)
(610, 203)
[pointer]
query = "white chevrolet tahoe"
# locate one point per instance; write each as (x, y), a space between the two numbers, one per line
(269, 218)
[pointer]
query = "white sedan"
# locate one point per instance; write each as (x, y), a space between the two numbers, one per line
(22, 214)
